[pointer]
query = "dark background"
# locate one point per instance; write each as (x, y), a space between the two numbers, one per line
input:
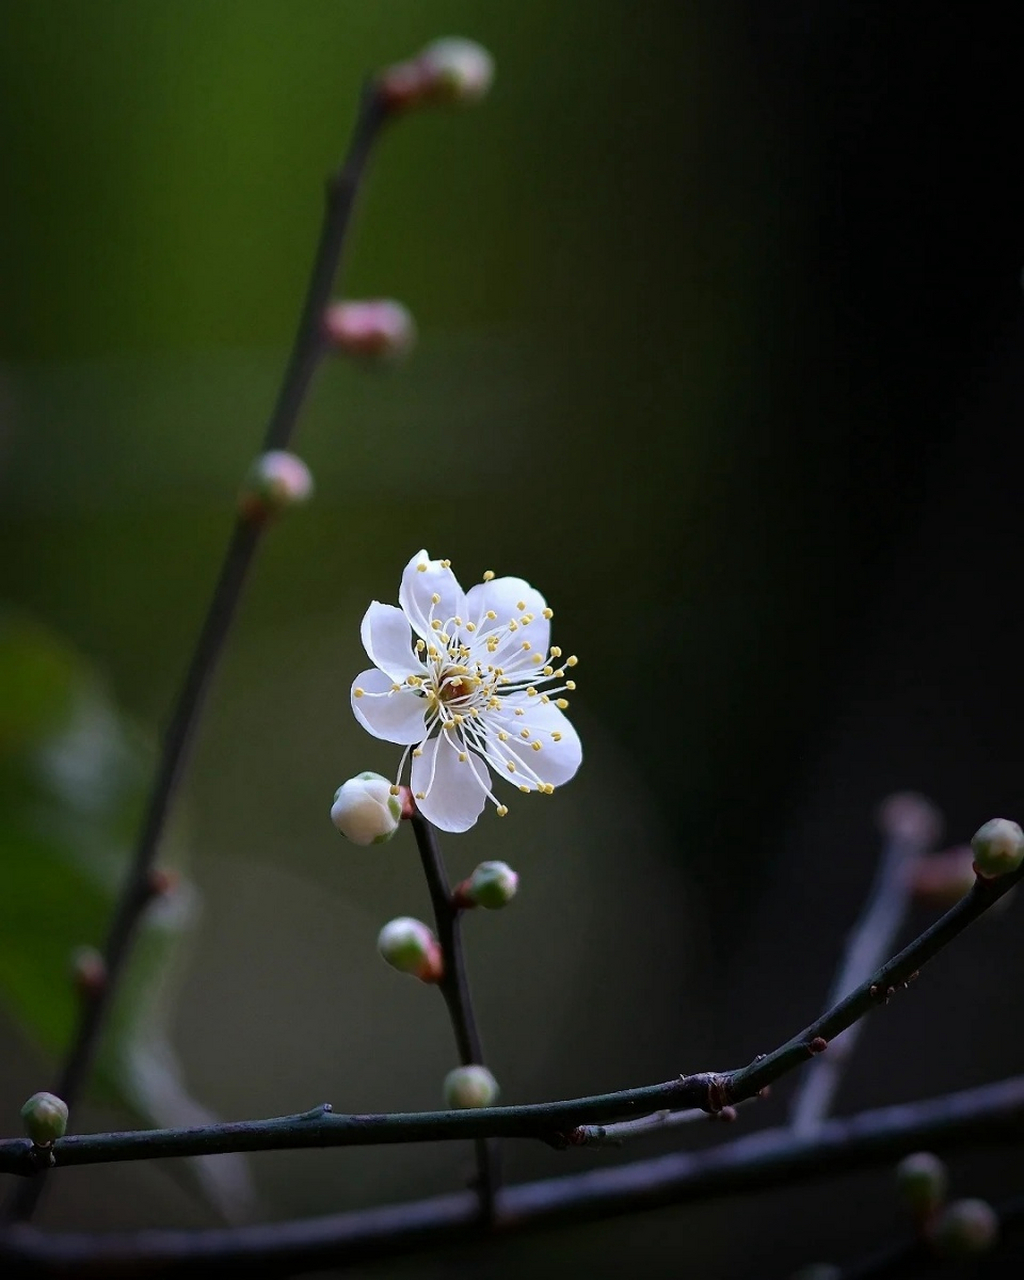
(722, 347)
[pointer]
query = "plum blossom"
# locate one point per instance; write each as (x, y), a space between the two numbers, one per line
(467, 682)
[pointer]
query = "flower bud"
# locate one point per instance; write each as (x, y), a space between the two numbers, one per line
(470, 1087)
(492, 885)
(276, 481)
(409, 946)
(452, 71)
(964, 1228)
(365, 811)
(922, 1179)
(458, 71)
(998, 848)
(89, 971)
(46, 1118)
(380, 329)
(941, 879)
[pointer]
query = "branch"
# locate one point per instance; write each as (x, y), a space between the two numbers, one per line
(553, 1122)
(910, 825)
(454, 986)
(138, 888)
(991, 1114)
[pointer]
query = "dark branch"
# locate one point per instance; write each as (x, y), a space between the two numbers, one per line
(990, 1115)
(454, 987)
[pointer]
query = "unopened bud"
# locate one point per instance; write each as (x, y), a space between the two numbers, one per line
(492, 885)
(470, 1087)
(452, 71)
(46, 1118)
(998, 848)
(922, 1179)
(379, 329)
(276, 481)
(940, 879)
(409, 946)
(365, 811)
(964, 1228)
(89, 971)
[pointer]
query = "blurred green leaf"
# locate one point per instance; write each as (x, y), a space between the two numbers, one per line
(72, 782)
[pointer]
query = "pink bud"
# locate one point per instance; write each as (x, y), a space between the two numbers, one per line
(375, 329)
(276, 481)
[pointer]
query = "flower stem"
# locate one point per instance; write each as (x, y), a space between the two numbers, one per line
(454, 986)
(136, 891)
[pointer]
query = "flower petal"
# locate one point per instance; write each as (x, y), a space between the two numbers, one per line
(503, 596)
(393, 716)
(387, 639)
(557, 759)
(453, 791)
(420, 585)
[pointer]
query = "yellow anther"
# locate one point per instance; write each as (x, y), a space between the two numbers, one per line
(432, 652)
(536, 659)
(544, 698)
(418, 751)
(571, 662)
(435, 598)
(531, 692)
(358, 692)
(420, 645)
(421, 568)
(548, 788)
(555, 651)
(502, 736)
(436, 624)
(393, 789)
(524, 733)
(502, 810)
(458, 621)
(535, 745)
(556, 735)
(524, 787)
(570, 685)
(396, 688)
(513, 625)
(470, 626)
(421, 795)
(463, 757)
(520, 711)
(511, 766)
(520, 605)
(561, 704)
(490, 615)
(549, 613)
(489, 575)
(474, 711)
(527, 645)
(548, 671)
(459, 719)
(446, 564)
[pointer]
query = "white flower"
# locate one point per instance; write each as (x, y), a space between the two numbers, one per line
(463, 681)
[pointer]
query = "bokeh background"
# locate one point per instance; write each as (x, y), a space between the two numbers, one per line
(721, 347)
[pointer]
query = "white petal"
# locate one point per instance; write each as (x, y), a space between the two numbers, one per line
(503, 596)
(387, 639)
(419, 586)
(555, 762)
(455, 795)
(395, 717)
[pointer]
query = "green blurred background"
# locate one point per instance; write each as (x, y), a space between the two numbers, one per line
(627, 390)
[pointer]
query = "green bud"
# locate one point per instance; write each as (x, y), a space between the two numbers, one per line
(492, 885)
(410, 947)
(964, 1228)
(276, 481)
(922, 1179)
(365, 811)
(46, 1118)
(470, 1087)
(998, 848)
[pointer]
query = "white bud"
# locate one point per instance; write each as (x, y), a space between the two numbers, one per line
(998, 847)
(470, 1087)
(365, 811)
(458, 71)
(964, 1227)
(276, 481)
(410, 947)
(378, 329)
(922, 1179)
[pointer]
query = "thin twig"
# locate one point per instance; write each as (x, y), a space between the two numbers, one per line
(454, 986)
(910, 825)
(137, 891)
(990, 1115)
